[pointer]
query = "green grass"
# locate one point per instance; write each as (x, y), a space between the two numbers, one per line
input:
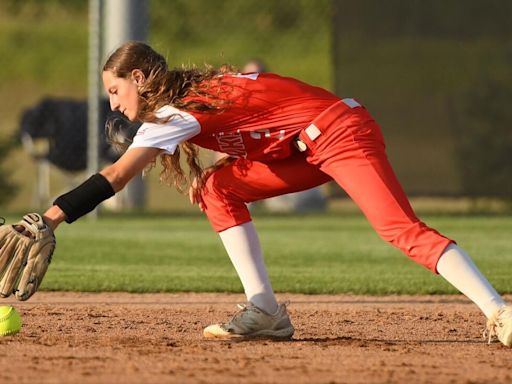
(309, 254)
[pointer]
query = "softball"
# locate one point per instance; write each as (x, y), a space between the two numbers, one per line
(10, 321)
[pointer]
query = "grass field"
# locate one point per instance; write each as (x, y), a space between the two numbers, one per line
(304, 254)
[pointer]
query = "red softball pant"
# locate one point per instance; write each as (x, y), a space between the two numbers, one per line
(349, 149)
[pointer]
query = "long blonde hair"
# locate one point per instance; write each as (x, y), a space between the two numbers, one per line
(167, 87)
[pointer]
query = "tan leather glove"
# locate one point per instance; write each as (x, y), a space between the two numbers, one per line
(26, 250)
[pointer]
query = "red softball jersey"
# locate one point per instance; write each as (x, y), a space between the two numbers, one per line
(265, 112)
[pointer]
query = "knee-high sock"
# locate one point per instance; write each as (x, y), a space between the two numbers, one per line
(243, 247)
(460, 271)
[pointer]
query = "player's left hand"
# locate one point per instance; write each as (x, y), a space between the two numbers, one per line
(26, 250)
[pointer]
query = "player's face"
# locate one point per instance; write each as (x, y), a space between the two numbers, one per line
(123, 94)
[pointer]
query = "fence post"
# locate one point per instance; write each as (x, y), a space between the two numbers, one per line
(126, 20)
(94, 90)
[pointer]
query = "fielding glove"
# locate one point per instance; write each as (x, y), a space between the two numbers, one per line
(26, 250)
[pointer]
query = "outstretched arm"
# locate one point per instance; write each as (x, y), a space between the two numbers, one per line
(26, 248)
(99, 187)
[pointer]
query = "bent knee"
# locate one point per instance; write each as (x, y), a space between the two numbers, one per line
(223, 207)
(421, 243)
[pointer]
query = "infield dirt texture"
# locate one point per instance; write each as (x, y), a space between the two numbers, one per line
(156, 338)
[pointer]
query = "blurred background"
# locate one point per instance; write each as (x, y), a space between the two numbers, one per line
(436, 74)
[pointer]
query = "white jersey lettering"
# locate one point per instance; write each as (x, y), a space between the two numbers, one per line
(232, 144)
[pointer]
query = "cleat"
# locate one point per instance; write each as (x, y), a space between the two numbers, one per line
(253, 322)
(499, 325)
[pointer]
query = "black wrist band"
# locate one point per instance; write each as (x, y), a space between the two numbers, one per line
(84, 198)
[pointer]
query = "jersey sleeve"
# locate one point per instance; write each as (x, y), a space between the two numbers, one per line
(167, 136)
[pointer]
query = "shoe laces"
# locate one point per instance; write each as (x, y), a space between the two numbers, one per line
(250, 307)
(245, 309)
(492, 325)
(244, 318)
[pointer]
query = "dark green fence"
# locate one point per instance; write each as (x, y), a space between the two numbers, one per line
(437, 75)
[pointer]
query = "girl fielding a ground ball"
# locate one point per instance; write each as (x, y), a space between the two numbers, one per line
(281, 136)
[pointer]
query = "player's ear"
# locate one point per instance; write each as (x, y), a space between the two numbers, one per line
(138, 76)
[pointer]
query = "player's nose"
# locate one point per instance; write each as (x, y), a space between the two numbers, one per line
(114, 104)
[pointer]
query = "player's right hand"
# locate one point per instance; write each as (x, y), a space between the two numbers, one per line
(26, 250)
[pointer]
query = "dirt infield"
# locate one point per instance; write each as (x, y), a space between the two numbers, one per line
(156, 338)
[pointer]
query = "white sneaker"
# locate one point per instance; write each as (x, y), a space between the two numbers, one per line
(500, 325)
(252, 321)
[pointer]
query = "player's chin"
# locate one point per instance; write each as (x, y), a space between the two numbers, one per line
(131, 116)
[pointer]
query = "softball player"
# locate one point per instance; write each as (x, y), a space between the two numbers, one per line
(282, 136)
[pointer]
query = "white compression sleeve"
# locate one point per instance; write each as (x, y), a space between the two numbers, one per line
(243, 247)
(460, 271)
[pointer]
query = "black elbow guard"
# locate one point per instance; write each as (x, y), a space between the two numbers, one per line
(84, 198)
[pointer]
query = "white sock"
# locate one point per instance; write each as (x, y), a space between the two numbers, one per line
(460, 271)
(243, 247)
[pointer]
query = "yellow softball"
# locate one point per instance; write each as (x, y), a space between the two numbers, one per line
(10, 321)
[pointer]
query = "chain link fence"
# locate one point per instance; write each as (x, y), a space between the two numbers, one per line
(435, 74)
